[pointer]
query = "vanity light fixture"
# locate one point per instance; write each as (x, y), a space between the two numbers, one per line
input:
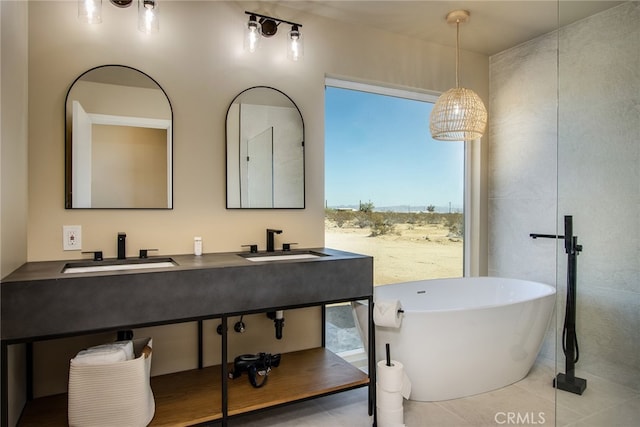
(89, 11)
(266, 26)
(459, 114)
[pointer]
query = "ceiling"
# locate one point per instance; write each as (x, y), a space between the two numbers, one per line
(493, 26)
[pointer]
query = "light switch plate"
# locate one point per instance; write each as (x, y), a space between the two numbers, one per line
(72, 237)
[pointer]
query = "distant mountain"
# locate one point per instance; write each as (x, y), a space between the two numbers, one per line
(401, 208)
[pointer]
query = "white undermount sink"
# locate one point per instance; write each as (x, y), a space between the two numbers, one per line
(120, 265)
(282, 256)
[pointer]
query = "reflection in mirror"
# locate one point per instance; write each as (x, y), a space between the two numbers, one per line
(265, 151)
(118, 144)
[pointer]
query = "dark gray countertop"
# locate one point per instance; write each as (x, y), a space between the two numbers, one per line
(40, 301)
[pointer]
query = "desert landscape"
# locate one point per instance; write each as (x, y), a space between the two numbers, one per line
(405, 246)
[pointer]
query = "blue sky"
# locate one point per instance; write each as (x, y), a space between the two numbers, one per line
(378, 148)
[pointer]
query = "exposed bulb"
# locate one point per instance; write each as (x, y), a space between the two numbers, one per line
(252, 35)
(148, 19)
(295, 48)
(253, 39)
(457, 110)
(89, 11)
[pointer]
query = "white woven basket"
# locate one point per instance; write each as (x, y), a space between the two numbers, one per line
(117, 394)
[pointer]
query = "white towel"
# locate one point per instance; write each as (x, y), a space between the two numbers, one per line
(120, 351)
(128, 348)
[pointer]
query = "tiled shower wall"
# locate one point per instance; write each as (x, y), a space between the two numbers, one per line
(565, 140)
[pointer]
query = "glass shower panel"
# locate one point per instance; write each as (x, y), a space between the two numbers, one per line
(522, 196)
(599, 186)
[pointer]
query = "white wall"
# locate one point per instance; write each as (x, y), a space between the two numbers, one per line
(592, 163)
(13, 167)
(198, 59)
(14, 89)
(522, 167)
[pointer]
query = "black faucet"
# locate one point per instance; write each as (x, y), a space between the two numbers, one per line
(270, 239)
(122, 247)
(97, 255)
(568, 381)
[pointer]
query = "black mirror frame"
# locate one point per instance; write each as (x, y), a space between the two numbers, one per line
(304, 171)
(68, 202)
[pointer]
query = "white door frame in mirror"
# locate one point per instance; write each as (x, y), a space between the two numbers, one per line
(82, 144)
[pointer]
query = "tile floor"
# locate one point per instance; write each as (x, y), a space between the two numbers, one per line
(531, 402)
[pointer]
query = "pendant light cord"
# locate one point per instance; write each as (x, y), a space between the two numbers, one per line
(457, 51)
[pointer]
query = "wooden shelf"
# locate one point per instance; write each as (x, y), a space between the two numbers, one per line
(195, 396)
(301, 375)
(187, 398)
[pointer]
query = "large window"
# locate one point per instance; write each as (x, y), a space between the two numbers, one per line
(391, 191)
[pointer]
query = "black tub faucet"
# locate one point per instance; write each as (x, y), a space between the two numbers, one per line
(122, 246)
(271, 239)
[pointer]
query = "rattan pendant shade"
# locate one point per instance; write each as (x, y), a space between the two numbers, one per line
(459, 114)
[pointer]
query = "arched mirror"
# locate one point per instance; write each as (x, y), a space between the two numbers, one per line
(118, 145)
(265, 151)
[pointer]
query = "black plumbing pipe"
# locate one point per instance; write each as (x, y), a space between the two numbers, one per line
(568, 381)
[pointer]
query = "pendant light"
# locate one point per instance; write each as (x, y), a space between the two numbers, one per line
(459, 114)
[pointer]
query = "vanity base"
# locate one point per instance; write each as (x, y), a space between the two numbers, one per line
(193, 397)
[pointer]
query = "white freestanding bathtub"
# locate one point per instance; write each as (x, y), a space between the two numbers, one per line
(464, 336)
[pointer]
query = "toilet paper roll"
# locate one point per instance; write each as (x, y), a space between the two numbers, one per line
(385, 313)
(393, 378)
(388, 400)
(390, 417)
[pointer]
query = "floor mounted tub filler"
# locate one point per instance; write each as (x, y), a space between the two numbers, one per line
(464, 336)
